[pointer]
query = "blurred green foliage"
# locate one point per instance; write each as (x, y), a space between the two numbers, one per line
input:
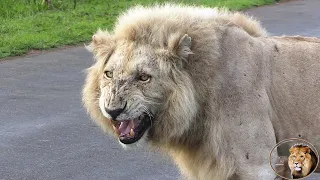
(33, 24)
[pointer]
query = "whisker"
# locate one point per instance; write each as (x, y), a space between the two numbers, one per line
(147, 111)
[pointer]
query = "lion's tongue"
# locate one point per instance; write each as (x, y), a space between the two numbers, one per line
(125, 127)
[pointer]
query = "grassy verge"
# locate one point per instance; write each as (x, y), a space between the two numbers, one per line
(32, 24)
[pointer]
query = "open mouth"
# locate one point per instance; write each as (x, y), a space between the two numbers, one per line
(130, 131)
(297, 168)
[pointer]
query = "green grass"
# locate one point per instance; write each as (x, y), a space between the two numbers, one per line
(30, 24)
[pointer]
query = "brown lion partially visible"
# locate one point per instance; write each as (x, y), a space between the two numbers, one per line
(208, 86)
(302, 161)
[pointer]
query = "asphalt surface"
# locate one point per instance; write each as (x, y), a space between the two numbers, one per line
(296, 17)
(46, 134)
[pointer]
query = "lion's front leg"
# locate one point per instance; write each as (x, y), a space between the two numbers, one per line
(252, 155)
(251, 140)
(254, 172)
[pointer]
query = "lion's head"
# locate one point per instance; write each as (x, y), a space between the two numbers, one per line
(301, 161)
(149, 73)
(137, 89)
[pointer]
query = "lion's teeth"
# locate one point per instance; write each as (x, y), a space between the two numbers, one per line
(131, 133)
(116, 130)
(132, 124)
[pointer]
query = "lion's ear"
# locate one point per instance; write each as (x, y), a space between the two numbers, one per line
(181, 46)
(291, 150)
(307, 149)
(102, 44)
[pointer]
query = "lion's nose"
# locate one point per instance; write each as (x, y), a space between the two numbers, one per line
(296, 163)
(114, 113)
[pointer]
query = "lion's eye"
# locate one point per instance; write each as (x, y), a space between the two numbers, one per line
(108, 74)
(301, 156)
(144, 77)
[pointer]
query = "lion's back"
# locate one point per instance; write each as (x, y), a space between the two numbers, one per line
(163, 20)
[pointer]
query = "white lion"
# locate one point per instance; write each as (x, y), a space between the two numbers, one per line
(208, 86)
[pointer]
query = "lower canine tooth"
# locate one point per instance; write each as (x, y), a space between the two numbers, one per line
(131, 133)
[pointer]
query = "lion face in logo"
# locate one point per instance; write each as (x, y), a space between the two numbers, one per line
(300, 161)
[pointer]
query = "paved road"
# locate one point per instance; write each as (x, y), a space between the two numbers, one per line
(45, 133)
(298, 17)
